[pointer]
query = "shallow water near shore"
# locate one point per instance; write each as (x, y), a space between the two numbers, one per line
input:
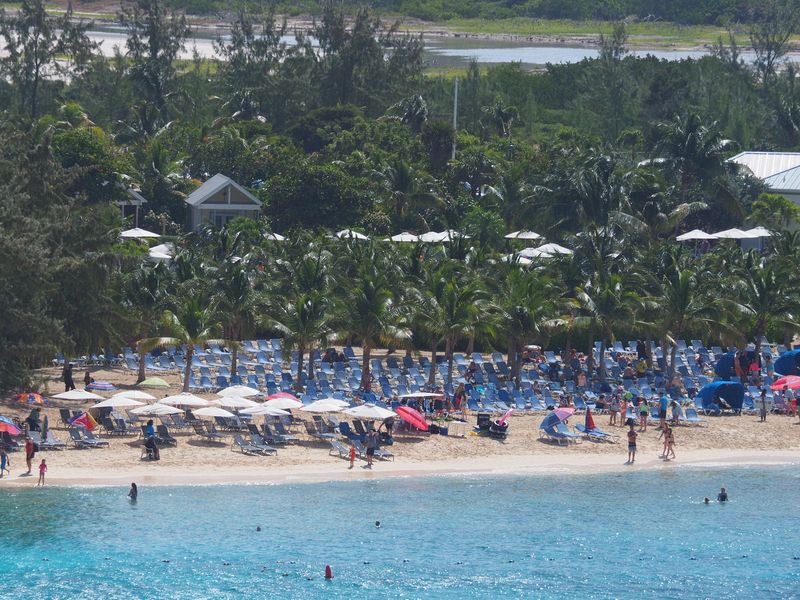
(613, 535)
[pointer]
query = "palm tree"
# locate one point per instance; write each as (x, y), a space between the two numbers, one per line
(448, 309)
(525, 311)
(410, 193)
(500, 117)
(692, 153)
(764, 296)
(304, 321)
(608, 303)
(369, 312)
(192, 320)
(145, 292)
(236, 302)
(682, 301)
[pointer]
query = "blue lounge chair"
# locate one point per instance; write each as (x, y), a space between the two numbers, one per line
(692, 417)
(596, 434)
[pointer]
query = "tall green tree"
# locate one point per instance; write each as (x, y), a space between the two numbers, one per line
(156, 37)
(35, 48)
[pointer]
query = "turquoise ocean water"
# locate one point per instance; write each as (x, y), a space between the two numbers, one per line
(625, 535)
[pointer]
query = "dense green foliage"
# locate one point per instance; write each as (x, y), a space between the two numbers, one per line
(612, 157)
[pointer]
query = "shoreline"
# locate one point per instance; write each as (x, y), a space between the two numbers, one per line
(576, 464)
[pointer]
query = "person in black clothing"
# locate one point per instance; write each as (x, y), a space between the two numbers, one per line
(67, 376)
(723, 495)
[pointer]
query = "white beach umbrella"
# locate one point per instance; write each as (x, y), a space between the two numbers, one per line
(510, 258)
(452, 234)
(168, 249)
(234, 402)
(370, 411)
(274, 237)
(553, 249)
(118, 402)
(263, 409)
(184, 399)
(759, 232)
(212, 411)
(238, 391)
(134, 394)
(423, 395)
(433, 237)
(156, 409)
(404, 237)
(283, 403)
(137, 233)
(78, 395)
(351, 235)
(523, 235)
(322, 406)
(695, 234)
(335, 401)
(734, 234)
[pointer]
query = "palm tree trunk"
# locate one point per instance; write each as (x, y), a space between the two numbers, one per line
(365, 380)
(432, 374)
(514, 356)
(187, 370)
(449, 353)
(141, 377)
(471, 343)
(234, 361)
(298, 385)
(590, 360)
(311, 364)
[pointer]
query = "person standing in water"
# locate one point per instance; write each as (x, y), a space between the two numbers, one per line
(631, 445)
(134, 493)
(5, 462)
(723, 495)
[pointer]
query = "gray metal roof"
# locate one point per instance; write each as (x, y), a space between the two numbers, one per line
(212, 186)
(766, 164)
(785, 181)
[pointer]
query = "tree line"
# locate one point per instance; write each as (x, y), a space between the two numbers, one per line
(611, 157)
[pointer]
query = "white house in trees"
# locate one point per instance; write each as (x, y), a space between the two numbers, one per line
(219, 200)
(780, 171)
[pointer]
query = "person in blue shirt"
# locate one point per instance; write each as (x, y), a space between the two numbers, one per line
(662, 410)
(150, 431)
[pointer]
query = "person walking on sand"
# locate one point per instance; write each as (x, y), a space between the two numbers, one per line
(763, 408)
(665, 436)
(5, 462)
(42, 471)
(372, 445)
(670, 443)
(69, 384)
(631, 445)
(352, 456)
(644, 410)
(30, 452)
(613, 409)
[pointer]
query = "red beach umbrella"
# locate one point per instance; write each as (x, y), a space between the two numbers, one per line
(793, 381)
(589, 420)
(409, 415)
(7, 425)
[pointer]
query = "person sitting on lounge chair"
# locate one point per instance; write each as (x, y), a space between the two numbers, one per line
(152, 448)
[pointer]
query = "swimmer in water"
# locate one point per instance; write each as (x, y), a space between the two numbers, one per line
(723, 495)
(706, 500)
(377, 523)
(134, 493)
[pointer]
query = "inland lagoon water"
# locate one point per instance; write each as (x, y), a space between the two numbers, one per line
(622, 535)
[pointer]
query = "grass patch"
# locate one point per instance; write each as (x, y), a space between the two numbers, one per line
(641, 33)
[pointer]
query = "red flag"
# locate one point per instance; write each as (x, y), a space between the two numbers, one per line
(85, 420)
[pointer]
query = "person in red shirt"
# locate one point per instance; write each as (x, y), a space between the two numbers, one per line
(29, 453)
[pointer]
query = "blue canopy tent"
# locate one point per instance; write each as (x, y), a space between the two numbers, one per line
(729, 391)
(787, 363)
(724, 367)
